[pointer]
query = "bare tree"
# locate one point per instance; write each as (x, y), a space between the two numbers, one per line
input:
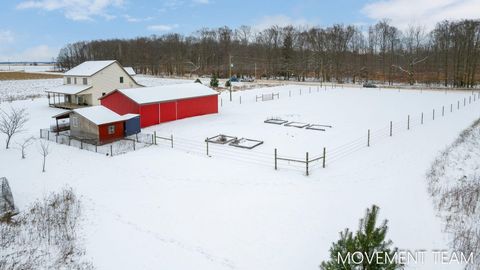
(12, 122)
(24, 145)
(44, 151)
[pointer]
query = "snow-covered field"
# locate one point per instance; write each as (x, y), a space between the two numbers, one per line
(26, 68)
(162, 208)
(21, 89)
(155, 81)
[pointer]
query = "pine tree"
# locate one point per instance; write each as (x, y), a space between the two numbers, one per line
(214, 81)
(344, 246)
(368, 240)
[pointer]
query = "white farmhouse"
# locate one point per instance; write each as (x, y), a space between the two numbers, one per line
(84, 84)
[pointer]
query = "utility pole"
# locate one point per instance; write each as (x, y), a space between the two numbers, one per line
(230, 74)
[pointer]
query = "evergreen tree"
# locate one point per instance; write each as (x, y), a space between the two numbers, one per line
(369, 240)
(346, 245)
(214, 81)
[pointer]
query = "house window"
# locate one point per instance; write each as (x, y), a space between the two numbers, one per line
(85, 81)
(69, 80)
(111, 129)
(74, 80)
(74, 121)
(121, 79)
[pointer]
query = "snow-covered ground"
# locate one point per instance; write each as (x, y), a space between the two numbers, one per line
(155, 81)
(170, 209)
(26, 68)
(21, 89)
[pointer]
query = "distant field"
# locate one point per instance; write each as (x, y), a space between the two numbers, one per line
(4, 76)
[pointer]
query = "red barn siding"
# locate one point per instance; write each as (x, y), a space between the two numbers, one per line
(153, 114)
(120, 103)
(168, 111)
(149, 115)
(104, 137)
(197, 106)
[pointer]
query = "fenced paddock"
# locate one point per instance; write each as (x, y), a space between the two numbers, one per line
(129, 144)
(361, 120)
(343, 121)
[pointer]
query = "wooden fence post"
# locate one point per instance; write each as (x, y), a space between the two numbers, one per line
(206, 141)
(433, 114)
(221, 102)
(96, 148)
(171, 140)
(443, 110)
(81, 144)
(421, 121)
(240, 99)
(275, 155)
(300, 91)
(451, 107)
(368, 138)
(324, 156)
(133, 145)
(464, 102)
(306, 163)
(458, 104)
(391, 128)
(155, 137)
(111, 150)
(408, 122)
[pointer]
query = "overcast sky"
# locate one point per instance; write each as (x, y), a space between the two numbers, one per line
(35, 30)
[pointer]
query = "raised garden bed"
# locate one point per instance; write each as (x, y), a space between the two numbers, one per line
(245, 143)
(296, 124)
(275, 121)
(316, 127)
(221, 139)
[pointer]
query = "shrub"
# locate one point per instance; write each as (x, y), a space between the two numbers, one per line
(214, 81)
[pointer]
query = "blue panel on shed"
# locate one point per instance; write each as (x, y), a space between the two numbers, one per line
(132, 126)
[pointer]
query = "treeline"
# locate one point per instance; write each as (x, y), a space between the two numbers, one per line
(447, 55)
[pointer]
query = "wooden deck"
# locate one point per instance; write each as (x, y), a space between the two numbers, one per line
(66, 105)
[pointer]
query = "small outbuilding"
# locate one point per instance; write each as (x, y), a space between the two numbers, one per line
(99, 125)
(165, 103)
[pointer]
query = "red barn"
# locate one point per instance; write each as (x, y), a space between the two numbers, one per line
(165, 103)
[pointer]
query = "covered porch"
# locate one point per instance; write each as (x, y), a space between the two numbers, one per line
(68, 96)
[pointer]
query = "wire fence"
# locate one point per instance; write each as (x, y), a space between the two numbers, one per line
(259, 156)
(128, 144)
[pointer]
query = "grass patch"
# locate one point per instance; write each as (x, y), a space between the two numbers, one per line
(16, 75)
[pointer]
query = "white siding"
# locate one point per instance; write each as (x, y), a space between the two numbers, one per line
(106, 81)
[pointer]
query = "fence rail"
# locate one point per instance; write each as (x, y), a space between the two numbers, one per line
(128, 144)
